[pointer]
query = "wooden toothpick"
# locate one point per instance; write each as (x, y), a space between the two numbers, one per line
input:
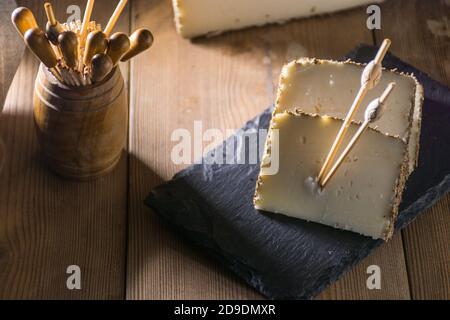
(53, 22)
(369, 79)
(50, 13)
(382, 51)
(373, 112)
(56, 74)
(84, 30)
(115, 16)
(86, 21)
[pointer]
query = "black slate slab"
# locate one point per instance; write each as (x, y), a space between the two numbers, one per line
(286, 258)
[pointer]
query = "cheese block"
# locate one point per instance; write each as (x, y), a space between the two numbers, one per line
(329, 87)
(198, 17)
(364, 195)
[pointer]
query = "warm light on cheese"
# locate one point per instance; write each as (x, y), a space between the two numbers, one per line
(329, 88)
(363, 196)
(198, 17)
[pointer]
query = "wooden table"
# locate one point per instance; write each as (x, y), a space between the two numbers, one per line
(123, 249)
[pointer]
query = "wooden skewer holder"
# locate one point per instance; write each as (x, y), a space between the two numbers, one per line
(82, 131)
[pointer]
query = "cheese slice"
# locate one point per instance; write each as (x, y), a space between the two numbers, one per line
(329, 87)
(364, 195)
(198, 17)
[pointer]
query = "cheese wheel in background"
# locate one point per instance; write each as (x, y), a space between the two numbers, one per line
(199, 17)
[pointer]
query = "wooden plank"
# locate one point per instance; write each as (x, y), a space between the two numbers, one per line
(394, 279)
(175, 83)
(9, 61)
(48, 224)
(420, 31)
(331, 37)
(222, 81)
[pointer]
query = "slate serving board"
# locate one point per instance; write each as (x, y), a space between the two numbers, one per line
(286, 258)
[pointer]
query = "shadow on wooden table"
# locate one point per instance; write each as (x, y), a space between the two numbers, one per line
(48, 223)
(292, 40)
(155, 246)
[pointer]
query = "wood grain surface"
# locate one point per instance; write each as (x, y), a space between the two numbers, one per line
(422, 38)
(48, 224)
(222, 81)
(123, 249)
(9, 55)
(173, 85)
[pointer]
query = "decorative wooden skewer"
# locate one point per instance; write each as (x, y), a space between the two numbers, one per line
(373, 113)
(370, 78)
(141, 40)
(96, 43)
(84, 30)
(68, 43)
(74, 77)
(115, 16)
(86, 21)
(54, 28)
(67, 77)
(24, 20)
(79, 53)
(118, 46)
(102, 65)
(38, 43)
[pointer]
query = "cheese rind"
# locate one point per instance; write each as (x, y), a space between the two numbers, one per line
(198, 17)
(362, 197)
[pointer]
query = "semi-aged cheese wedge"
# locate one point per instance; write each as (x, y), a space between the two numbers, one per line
(364, 195)
(329, 87)
(198, 17)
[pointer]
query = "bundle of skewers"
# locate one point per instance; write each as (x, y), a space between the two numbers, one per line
(80, 53)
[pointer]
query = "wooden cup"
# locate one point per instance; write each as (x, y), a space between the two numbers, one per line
(82, 131)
